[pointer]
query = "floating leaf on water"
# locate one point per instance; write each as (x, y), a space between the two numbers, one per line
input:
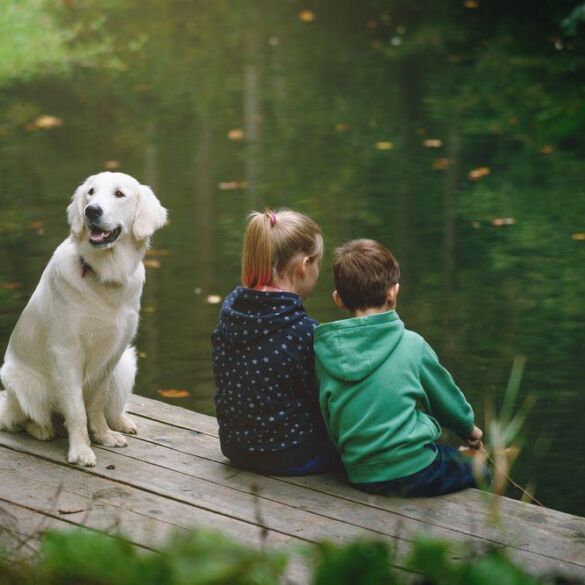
(141, 354)
(12, 285)
(547, 149)
(442, 164)
(479, 173)
(500, 221)
(342, 126)
(471, 4)
(306, 16)
(152, 263)
(578, 237)
(157, 253)
(432, 143)
(384, 145)
(45, 123)
(236, 134)
(232, 185)
(213, 299)
(111, 164)
(174, 393)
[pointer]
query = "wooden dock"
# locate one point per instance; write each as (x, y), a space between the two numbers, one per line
(173, 477)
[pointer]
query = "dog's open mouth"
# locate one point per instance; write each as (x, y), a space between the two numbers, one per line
(100, 237)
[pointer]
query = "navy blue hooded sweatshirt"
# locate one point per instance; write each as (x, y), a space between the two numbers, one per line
(266, 396)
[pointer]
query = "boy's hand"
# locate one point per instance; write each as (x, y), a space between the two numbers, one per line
(474, 439)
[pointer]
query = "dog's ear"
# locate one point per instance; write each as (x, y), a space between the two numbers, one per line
(75, 208)
(150, 214)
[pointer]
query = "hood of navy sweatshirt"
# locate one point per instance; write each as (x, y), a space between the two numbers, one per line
(248, 314)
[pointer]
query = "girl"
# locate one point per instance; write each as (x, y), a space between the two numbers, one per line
(266, 392)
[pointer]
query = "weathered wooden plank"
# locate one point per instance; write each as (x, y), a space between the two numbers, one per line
(526, 528)
(277, 515)
(205, 494)
(142, 518)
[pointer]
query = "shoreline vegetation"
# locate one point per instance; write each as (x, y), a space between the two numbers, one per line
(84, 557)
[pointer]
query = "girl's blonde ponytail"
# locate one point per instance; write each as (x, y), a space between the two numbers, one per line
(272, 239)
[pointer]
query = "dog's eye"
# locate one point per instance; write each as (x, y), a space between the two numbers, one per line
(119, 194)
(91, 191)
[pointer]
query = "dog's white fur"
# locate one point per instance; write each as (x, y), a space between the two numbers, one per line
(70, 351)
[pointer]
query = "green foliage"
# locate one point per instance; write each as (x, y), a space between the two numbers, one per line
(364, 562)
(81, 557)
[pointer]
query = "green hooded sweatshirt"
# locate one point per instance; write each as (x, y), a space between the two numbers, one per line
(373, 375)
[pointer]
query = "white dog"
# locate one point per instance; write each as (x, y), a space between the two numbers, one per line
(70, 351)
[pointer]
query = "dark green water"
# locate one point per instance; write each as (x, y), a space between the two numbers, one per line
(448, 132)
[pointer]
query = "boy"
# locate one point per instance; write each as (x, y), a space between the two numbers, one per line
(374, 373)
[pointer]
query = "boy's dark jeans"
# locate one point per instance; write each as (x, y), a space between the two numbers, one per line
(449, 472)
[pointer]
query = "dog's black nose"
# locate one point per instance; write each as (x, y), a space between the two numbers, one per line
(93, 212)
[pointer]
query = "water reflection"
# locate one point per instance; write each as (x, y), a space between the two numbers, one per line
(443, 131)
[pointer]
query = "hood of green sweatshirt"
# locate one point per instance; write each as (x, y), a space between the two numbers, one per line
(352, 349)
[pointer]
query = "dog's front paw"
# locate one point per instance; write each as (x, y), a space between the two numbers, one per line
(111, 439)
(124, 424)
(81, 455)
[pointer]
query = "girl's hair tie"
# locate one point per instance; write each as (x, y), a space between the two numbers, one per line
(272, 218)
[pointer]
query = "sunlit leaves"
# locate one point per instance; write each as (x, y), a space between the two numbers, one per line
(479, 173)
(442, 164)
(578, 237)
(45, 122)
(232, 185)
(306, 16)
(236, 134)
(174, 393)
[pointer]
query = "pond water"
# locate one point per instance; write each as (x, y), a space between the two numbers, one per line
(442, 131)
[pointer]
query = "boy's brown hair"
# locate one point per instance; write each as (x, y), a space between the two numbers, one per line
(364, 270)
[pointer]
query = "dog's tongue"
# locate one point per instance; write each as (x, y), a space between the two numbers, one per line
(99, 236)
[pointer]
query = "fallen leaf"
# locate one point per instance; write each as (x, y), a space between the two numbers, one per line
(232, 185)
(110, 467)
(213, 299)
(157, 253)
(433, 143)
(547, 149)
(479, 173)
(45, 123)
(112, 164)
(12, 285)
(306, 16)
(384, 145)
(174, 393)
(500, 221)
(442, 164)
(578, 237)
(64, 512)
(152, 263)
(236, 134)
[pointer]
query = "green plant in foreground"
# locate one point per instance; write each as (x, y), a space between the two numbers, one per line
(82, 557)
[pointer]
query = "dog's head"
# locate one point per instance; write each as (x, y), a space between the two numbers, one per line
(108, 206)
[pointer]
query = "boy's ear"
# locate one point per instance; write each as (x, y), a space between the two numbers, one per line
(338, 301)
(392, 294)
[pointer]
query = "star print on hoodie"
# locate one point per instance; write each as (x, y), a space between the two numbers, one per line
(266, 392)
